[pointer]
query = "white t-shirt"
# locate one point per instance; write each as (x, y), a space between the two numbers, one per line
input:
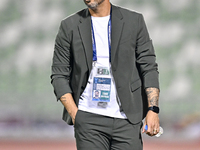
(87, 101)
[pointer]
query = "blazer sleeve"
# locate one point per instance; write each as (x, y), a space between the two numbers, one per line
(61, 68)
(145, 56)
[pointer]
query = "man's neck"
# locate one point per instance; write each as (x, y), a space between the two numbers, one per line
(102, 10)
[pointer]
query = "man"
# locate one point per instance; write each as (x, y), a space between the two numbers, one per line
(96, 94)
(106, 48)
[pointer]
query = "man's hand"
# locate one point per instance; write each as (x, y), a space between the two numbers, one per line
(152, 121)
(74, 116)
(68, 102)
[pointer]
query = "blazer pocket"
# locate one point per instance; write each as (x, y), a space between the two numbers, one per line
(76, 118)
(135, 85)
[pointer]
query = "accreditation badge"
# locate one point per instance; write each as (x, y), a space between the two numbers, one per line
(101, 89)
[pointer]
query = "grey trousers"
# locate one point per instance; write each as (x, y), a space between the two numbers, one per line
(97, 132)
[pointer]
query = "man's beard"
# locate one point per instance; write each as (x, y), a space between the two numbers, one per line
(94, 4)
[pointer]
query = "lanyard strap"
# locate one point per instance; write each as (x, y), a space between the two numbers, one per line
(94, 42)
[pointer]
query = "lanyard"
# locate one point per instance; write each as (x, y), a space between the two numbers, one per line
(94, 43)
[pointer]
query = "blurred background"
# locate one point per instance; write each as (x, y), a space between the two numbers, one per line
(29, 112)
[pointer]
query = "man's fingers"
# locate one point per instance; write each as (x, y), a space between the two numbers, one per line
(143, 128)
(155, 131)
(151, 127)
(152, 130)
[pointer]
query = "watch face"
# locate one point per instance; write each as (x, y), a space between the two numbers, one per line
(154, 109)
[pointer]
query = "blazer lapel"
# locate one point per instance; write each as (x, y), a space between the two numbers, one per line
(85, 33)
(117, 28)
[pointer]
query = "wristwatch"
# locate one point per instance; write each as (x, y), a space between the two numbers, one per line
(154, 109)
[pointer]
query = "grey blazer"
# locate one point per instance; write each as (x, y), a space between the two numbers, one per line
(132, 60)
